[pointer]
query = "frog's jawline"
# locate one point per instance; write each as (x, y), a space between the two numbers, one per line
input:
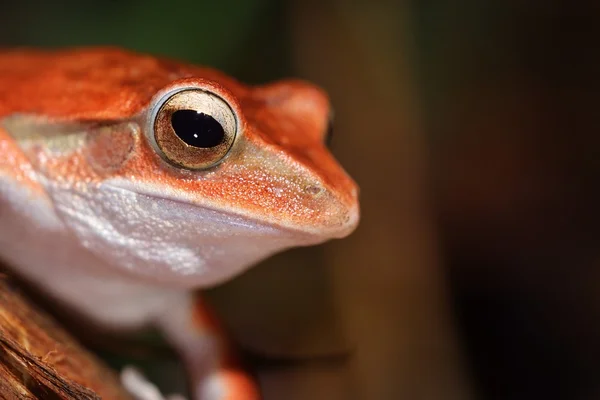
(303, 236)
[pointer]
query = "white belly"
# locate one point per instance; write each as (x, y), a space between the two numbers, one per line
(36, 245)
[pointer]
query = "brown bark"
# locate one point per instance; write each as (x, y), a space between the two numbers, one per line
(39, 360)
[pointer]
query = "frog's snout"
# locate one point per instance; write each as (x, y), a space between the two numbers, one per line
(337, 214)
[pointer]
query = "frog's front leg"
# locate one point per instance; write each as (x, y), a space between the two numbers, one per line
(209, 359)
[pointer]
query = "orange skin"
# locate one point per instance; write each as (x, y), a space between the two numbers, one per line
(104, 84)
(265, 178)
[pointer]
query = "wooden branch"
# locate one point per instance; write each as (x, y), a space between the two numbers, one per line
(40, 360)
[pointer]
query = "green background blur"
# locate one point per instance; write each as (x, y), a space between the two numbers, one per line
(472, 129)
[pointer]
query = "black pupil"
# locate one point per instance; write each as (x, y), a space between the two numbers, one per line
(197, 129)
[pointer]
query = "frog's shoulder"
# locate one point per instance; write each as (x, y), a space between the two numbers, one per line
(90, 83)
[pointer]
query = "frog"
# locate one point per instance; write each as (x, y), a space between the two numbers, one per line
(130, 182)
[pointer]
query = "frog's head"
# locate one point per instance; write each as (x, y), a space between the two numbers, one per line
(205, 178)
(260, 156)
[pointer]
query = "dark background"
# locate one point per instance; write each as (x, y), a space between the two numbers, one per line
(472, 129)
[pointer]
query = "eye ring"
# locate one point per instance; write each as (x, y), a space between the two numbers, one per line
(192, 128)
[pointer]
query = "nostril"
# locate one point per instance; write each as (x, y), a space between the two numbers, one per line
(313, 190)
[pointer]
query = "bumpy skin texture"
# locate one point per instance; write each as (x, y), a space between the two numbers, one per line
(94, 215)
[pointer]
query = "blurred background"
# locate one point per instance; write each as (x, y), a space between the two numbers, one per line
(470, 128)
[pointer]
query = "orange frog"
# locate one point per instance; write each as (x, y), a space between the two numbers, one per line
(127, 181)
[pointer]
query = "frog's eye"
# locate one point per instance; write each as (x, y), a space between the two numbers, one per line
(194, 129)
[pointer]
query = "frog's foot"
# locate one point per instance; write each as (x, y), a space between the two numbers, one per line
(212, 369)
(141, 388)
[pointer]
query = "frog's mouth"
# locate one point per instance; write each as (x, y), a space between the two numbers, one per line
(169, 207)
(304, 235)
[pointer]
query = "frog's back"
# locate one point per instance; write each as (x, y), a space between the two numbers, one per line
(87, 83)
